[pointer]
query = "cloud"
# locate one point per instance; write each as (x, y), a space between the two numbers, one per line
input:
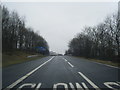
(58, 23)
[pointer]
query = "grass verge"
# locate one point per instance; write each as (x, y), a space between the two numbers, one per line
(16, 57)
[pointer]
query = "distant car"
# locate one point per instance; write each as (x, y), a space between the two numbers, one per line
(60, 55)
(69, 54)
(53, 55)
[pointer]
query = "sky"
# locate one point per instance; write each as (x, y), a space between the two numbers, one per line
(59, 22)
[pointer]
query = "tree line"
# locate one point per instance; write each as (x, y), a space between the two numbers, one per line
(15, 34)
(100, 41)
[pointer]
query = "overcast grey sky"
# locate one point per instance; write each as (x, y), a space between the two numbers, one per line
(58, 23)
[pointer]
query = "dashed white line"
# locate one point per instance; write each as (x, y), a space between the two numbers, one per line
(24, 77)
(65, 59)
(70, 64)
(89, 81)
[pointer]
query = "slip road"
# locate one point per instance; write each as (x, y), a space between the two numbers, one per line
(66, 72)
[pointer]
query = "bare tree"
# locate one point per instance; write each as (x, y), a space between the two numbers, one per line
(15, 35)
(101, 41)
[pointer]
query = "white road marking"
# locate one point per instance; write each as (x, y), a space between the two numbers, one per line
(89, 81)
(102, 64)
(111, 66)
(106, 65)
(60, 84)
(70, 64)
(118, 82)
(38, 86)
(32, 85)
(72, 86)
(111, 83)
(78, 86)
(85, 86)
(65, 59)
(24, 77)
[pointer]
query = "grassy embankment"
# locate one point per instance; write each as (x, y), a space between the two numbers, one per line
(107, 62)
(16, 57)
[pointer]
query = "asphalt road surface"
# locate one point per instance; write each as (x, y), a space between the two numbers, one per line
(61, 73)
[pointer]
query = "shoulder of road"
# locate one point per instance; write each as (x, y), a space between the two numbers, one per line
(17, 57)
(104, 62)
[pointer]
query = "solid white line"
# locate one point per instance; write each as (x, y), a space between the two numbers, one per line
(107, 65)
(89, 81)
(24, 77)
(70, 64)
(102, 64)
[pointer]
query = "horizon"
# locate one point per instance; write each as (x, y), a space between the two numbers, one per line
(58, 23)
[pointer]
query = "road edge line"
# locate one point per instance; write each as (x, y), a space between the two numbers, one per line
(27, 75)
(98, 62)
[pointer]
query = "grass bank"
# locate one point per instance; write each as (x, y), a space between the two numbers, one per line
(16, 57)
(107, 62)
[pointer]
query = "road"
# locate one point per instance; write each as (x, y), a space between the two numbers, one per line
(65, 72)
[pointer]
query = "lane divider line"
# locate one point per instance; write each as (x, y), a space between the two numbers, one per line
(89, 81)
(70, 64)
(65, 59)
(27, 75)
